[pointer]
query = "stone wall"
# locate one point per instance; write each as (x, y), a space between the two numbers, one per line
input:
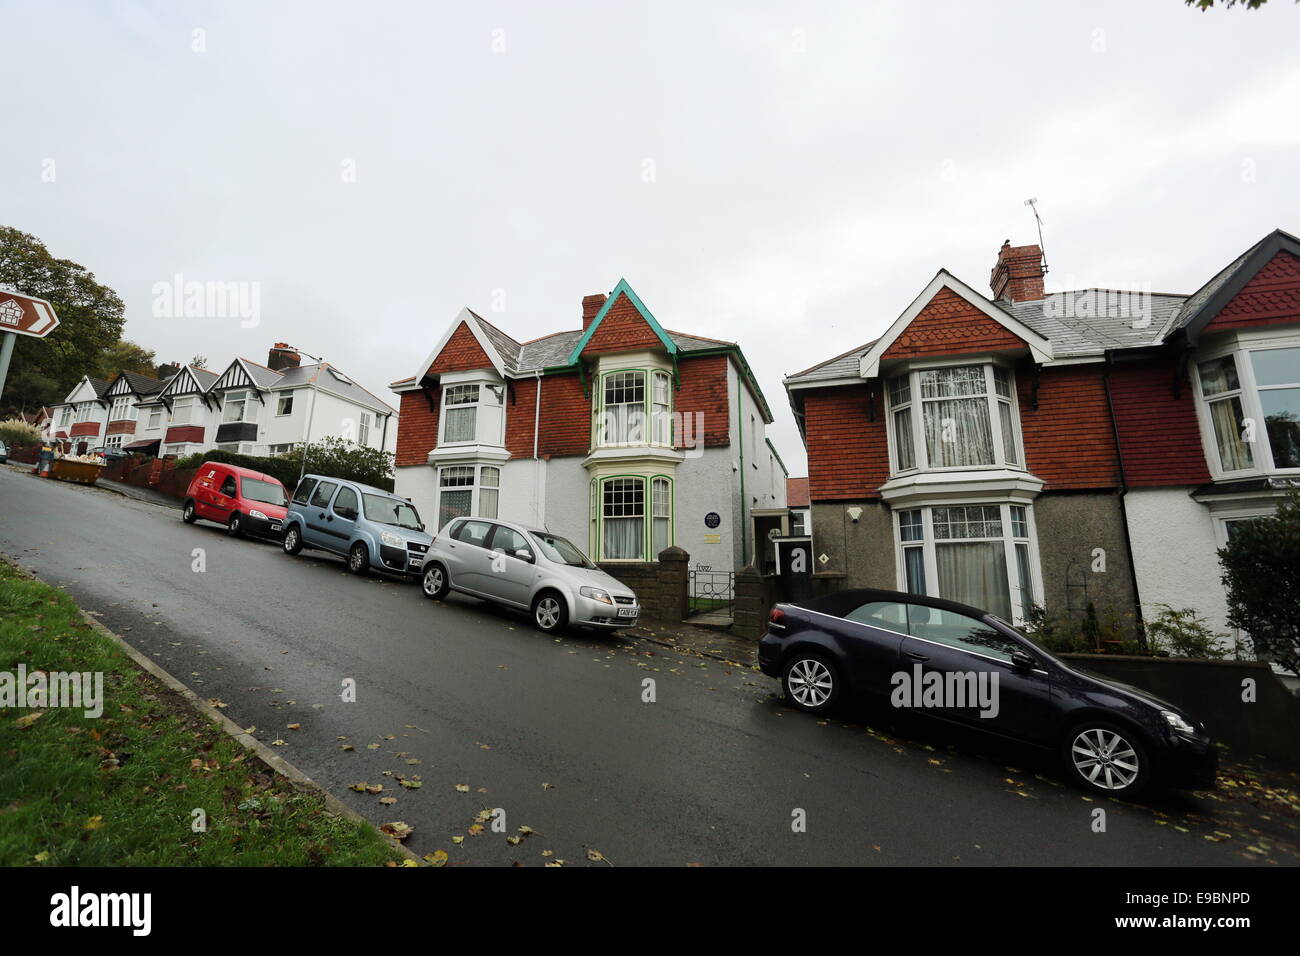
(660, 586)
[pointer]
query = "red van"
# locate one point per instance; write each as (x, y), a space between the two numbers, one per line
(245, 501)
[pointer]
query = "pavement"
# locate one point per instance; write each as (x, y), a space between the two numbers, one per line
(660, 747)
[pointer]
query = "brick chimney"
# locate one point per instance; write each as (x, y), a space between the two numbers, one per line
(282, 357)
(167, 371)
(591, 304)
(1018, 275)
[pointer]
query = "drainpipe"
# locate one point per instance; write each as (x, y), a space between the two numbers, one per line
(537, 421)
(740, 431)
(1123, 510)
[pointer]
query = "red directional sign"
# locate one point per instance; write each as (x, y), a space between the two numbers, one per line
(23, 315)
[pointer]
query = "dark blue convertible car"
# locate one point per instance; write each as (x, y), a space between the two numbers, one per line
(965, 666)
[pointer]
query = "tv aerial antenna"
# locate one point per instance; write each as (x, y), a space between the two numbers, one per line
(1032, 203)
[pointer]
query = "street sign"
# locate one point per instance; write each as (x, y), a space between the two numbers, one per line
(24, 315)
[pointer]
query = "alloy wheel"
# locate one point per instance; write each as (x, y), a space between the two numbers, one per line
(433, 581)
(547, 613)
(810, 682)
(1105, 759)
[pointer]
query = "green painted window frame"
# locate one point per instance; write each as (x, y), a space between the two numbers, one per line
(596, 516)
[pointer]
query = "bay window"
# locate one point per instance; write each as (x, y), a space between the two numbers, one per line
(155, 417)
(467, 491)
(631, 517)
(238, 407)
(1277, 382)
(626, 401)
(623, 519)
(123, 409)
(663, 516)
(471, 412)
(1221, 389)
(1250, 409)
(961, 416)
(976, 554)
(181, 409)
(661, 410)
(623, 408)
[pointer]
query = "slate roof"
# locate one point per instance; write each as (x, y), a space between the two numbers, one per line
(143, 384)
(1078, 322)
(328, 378)
(262, 376)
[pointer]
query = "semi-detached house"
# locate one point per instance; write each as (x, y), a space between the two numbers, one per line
(245, 407)
(1085, 447)
(620, 435)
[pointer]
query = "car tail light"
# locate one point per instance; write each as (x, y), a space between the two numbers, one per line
(777, 617)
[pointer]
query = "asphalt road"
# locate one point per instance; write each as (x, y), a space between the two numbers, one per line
(554, 731)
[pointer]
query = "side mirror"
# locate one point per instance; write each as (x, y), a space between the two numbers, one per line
(1022, 662)
(523, 554)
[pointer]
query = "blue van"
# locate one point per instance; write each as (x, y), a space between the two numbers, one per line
(370, 527)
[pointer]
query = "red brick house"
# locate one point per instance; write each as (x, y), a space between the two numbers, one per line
(1090, 446)
(620, 435)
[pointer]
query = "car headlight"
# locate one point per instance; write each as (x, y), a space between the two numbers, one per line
(257, 514)
(596, 594)
(1177, 722)
(393, 540)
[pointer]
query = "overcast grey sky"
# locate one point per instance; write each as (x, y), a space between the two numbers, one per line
(785, 175)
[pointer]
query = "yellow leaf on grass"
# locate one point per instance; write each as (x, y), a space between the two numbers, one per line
(25, 721)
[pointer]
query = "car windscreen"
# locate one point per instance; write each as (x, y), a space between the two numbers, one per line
(561, 550)
(392, 511)
(267, 492)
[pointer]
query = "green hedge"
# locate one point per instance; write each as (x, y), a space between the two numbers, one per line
(331, 458)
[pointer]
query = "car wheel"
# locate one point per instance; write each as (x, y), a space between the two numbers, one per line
(434, 582)
(359, 558)
(549, 612)
(811, 683)
(235, 526)
(1106, 758)
(292, 543)
(187, 513)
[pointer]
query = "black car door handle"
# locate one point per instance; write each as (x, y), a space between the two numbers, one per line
(917, 657)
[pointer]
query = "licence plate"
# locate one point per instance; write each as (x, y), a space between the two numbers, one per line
(628, 612)
(417, 562)
(276, 526)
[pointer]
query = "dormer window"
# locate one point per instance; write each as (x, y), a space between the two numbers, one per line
(959, 416)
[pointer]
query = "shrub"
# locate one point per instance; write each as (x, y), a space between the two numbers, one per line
(15, 431)
(331, 457)
(1184, 633)
(1090, 632)
(1261, 571)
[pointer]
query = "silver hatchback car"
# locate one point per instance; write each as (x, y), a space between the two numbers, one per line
(533, 570)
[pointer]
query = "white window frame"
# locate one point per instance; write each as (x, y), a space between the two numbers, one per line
(364, 422)
(645, 516)
(611, 379)
(84, 412)
(1019, 606)
(1252, 408)
(122, 410)
(284, 403)
(489, 412)
(155, 417)
(994, 402)
(187, 403)
(246, 399)
(484, 490)
(65, 416)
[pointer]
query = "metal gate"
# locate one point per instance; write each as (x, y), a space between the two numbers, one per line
(711, 591)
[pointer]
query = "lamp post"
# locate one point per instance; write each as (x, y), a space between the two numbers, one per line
(311, 413)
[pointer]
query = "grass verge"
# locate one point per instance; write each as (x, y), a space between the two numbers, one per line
(121, 789)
